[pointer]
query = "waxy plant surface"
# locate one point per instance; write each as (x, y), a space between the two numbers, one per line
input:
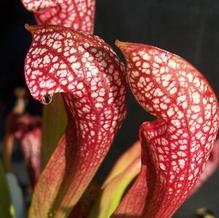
(178, 143)
(84, 69)
(77, 14)
(92, 80)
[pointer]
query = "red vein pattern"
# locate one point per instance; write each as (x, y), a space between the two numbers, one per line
(92, 80)
(178, 143)
(76, 14)
(211, 166)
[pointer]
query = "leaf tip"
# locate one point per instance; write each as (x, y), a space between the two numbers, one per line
(121, 45)
(29, 28)
(125, 47)
(35, 28)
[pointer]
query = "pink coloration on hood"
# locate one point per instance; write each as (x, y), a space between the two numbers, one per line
(92, 81)
(77, 14)
(38, 5)
(178, 143)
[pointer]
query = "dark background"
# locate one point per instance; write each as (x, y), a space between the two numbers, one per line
(189, 28)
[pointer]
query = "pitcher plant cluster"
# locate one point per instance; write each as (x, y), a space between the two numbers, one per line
(176, 152)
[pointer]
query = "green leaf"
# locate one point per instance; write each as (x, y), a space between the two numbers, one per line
(6, 207)
(124, 171)
(124, 161)
(54, 123)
